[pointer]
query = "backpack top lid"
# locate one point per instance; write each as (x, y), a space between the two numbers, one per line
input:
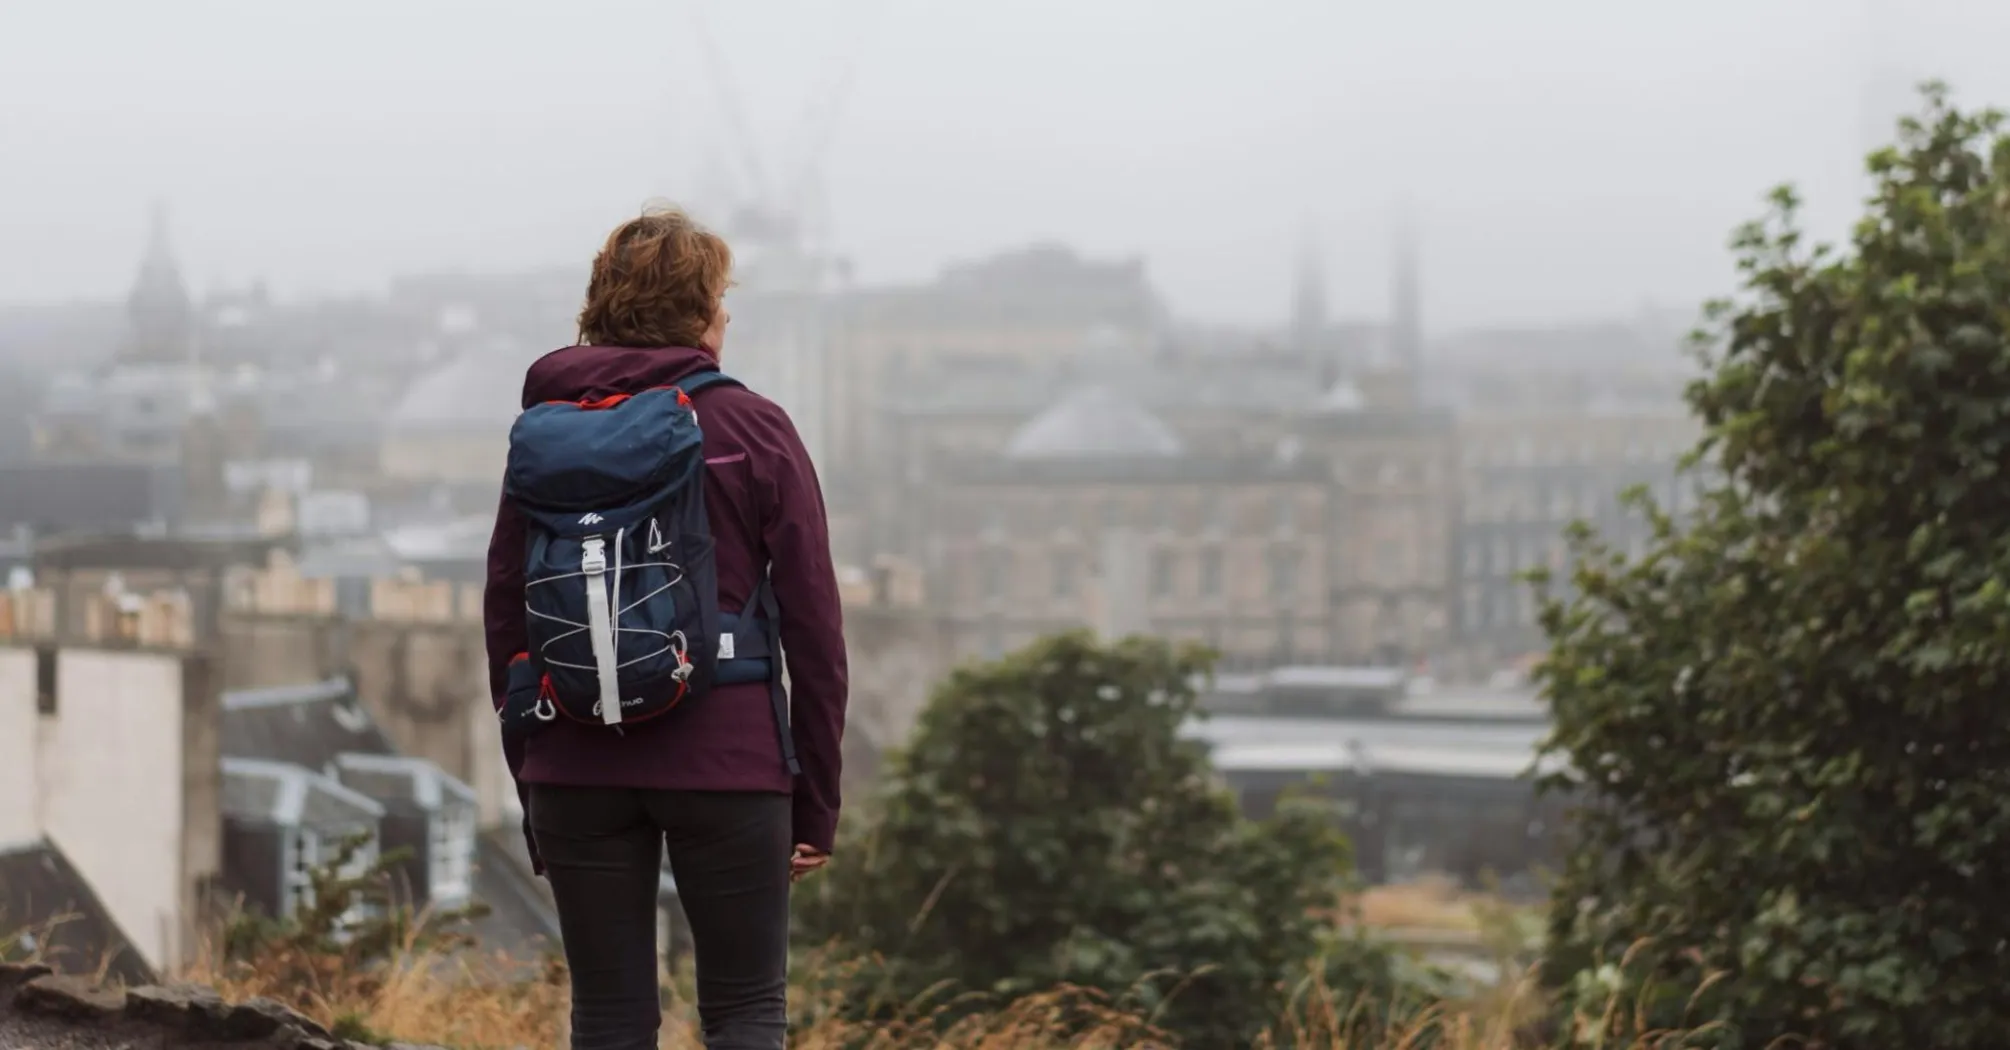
(580, 467)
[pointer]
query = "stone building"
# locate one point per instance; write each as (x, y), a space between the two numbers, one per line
(1096, 513)
(914, 366)
(1526, 473)
(1023, 440)
(1392, 467)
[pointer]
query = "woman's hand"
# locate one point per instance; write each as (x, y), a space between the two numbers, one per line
(805, 860)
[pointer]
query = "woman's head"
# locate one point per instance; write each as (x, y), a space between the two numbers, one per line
(660, 280)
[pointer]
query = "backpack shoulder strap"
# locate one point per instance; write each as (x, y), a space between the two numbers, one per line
(697, 381)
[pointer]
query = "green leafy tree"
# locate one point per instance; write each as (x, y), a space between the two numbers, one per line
(1047, 827)
(1787, 722)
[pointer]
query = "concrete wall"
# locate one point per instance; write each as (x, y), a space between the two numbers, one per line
(263, 651)
(426, 684)
(201, 787)
(19, 822)
(113, 767)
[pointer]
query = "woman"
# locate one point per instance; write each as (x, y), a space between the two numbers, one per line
(707, 778)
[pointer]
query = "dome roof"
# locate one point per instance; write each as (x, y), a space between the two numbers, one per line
(476, 391)
(1093, 422)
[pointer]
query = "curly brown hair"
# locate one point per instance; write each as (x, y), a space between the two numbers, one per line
(658, 281)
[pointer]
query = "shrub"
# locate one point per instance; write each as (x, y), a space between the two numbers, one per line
(1047, 827)
(1786, 719)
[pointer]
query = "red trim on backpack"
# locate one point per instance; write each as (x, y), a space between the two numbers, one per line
(547, 691)
(597, 404)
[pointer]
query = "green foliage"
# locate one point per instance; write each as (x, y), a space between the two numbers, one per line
(1786, 720)
(1047, 827)
(347, 921)
(353, 1028)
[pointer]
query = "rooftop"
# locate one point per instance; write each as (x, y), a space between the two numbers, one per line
(306, 725)
(1093, 422)
(478, 392)
(1516, 740)
(291, 796)
(405, 779)
(48, 910)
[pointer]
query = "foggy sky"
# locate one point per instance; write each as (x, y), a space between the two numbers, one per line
(1561, 157)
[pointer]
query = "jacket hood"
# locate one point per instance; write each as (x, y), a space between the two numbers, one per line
(577, 373)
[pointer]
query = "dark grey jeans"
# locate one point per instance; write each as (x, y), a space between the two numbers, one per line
(729, 851)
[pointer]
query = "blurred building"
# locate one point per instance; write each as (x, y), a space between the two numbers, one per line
(1034, 538)
(110, 778)
(1526, 474)
(1284, 498)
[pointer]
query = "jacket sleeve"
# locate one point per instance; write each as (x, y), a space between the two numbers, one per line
(504, 629)
(797, 537)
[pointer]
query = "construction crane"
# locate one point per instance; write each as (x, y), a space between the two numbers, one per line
(789, 210)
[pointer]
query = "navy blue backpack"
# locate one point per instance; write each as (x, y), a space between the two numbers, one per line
(621, 592)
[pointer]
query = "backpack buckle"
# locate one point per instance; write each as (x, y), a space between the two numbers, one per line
(593, 556)
(681, 648)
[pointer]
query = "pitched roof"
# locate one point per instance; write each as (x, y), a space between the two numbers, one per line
(291, 796)
(306, 725)
(48, 911)
(395, 778)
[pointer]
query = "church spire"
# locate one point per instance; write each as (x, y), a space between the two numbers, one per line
(1406, 311)
(1308, 304)
(158, 307)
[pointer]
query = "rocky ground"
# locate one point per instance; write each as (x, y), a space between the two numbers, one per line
(40, 1010)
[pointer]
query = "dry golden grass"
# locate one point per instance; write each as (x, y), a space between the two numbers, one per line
(478, 1002)
(474, 1001)
(1430, 903)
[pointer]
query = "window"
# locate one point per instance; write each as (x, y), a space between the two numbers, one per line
(45, 680)
(314, 849)
(1164, 569)
(300, 873)
(1284, 573)
(1285, 512)
(450, 866)
(1210, 573)
(1067, 570)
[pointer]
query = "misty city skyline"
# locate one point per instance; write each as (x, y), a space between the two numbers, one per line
(1560, 160)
